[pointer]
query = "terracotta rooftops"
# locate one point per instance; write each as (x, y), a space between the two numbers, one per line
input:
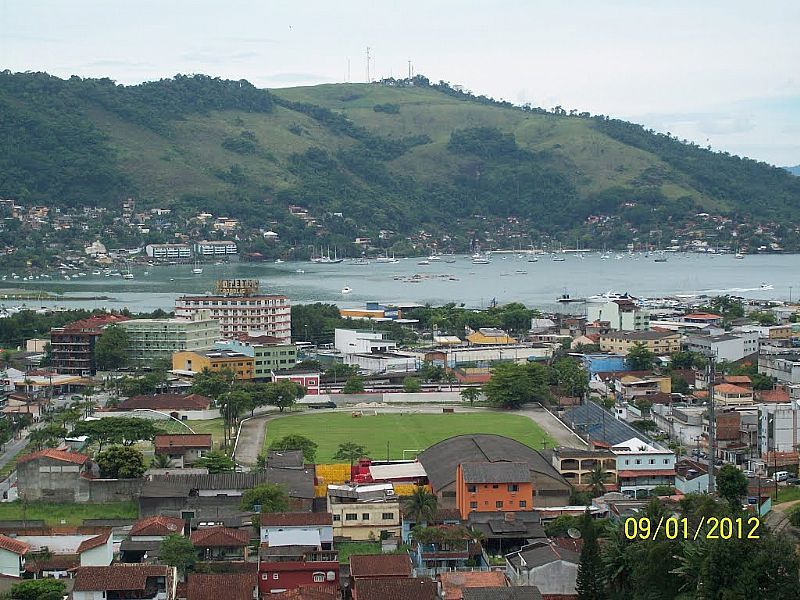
(158, 525)
(220, 537)
(295, 519)
(397, 588)
(213, 586)
(94, 542)
(166, 402)
(727, 388)
(380, 565)
(62, 455)
(12, 545)
(184, 441)
(118, 577)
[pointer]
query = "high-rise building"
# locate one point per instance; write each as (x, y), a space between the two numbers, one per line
(72, 346)
(153, 339)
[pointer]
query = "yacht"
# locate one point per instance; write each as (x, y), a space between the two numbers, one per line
(424, 262)
(359, 261)
(198, 270)
(607, 297)
(279, 261)
(532, 259)
(387, 259)
(567, 299)
(299, 271)
(346, 290)
(738, 256)
(557, 258)
(480, 259)
(128, 275)
(766, 286)
(434, 257)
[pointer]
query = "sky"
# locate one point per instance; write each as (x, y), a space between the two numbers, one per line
(724, 73)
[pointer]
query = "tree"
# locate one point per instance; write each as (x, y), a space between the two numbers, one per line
(231, 405)
(216, 461)
(732, 485)
(46, 437)
(679, 384)
(178, 551)
(338, 371)
(431, 372)
(350, 451)
(572, 378)
(470, 394)
(589, 583)
(597, 480)
(513, 385)
(38, 589)
(354, 385)
(121, 462)
(411, 385)
(296, 442)
(161, 461)
(117, 430)
(640, 358)
(111, 348)
(271, 497)
(212, 384)
(421, 505)
(285, 393)
(761, 382)
(5, 359)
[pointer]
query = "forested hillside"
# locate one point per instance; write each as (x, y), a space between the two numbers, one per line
(395, 155)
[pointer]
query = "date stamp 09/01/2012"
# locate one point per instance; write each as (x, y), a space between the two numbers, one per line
(711, 528)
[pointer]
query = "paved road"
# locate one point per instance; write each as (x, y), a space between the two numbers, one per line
(253, 431)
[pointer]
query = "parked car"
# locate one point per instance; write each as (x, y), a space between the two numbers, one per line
(793, 481)
(781, 475)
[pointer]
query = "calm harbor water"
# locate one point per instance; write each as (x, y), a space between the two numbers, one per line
(507, 278)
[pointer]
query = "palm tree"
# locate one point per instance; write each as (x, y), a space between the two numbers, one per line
(614, 554)
(161, 461)
(470, 394)
(597, 480)
(420, 506)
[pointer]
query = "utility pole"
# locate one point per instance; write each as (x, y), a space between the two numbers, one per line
(712, 441)
(409, 70)
(368, 79)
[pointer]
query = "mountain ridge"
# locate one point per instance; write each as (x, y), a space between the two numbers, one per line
(396, 155)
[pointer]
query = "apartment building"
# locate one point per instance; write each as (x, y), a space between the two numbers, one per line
(362, 512)
(726, 347)
(72, 346)
(215, 361)
(167, 252)
(642, 467)
(621, 315)
(216, 249)
(658, 342)
(153, 339)
(269, 353)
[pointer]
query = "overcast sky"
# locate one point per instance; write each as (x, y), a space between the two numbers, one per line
(724, 73)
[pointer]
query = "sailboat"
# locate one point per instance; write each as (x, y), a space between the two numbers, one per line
(198, 270)
(127, 274)
(327, 260)
(387, 258)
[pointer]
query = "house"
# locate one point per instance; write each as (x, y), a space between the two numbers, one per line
(492, 487)
(169, 403)
(642, 467)
(216, 586)
(58, 552)
(526, 592)
(146, 535)
(362, 512)
(183, 449)
(549, 567)
(658, 342)
(442, 459)
(49, 475)
(221, 543)
(12, 556)
(455, 582)
(631, 387)
(727, 347)
(577, 464)
(708, 319)
(144, 582)
(486, 336)
(379, 566)
(727, 394)
(269, 353)
(505, 531)
(309, 379)
(283, 568)
(443, 548)
(281, 527)
(214, 360)
(417, 588)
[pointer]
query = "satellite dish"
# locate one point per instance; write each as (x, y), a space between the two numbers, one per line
(575, 534)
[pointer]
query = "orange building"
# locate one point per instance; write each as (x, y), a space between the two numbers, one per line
(215, 361)
(493, 487)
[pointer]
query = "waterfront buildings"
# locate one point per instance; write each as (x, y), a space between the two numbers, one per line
(153, 339)
(621, 315)
(241, 309)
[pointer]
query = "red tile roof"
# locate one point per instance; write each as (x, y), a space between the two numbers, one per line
(94, 542)
(158, 525)
(310, 592)
(166, 402)
(454, 582)
(380, 565)
(215, 586)
(650, 473)
(118, 577)
(182, 441)
(295, 519)
(737, 379)
(220, 537)
(12, 545)
(727, 388)
(777, 395)
(56, 562)
(62, 455)
(702, 316)
(396, 588)
(94, 323)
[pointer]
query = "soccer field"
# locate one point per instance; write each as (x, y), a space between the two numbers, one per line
(413, 432)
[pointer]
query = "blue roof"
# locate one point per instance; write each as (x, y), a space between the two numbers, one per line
(593, 421)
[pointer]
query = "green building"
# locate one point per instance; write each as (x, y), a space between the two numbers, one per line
(270, 353)
(153, 339)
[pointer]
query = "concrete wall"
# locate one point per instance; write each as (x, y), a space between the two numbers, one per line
(108, 490)
(9, 563)
(191, 415)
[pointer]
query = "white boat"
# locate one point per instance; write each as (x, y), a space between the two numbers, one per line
(299, 271)
(387, 259)
(95, 272)
(480, 259)
(424, 262)
(766, 286)
(197, 271)
(128, 276)
(532, 259)
(738, 256)
(346, 290)
(434, 257)
(557, 258)
(607, 297)
(279, 261)
(359, 261)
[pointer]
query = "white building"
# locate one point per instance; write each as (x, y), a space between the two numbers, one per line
(622, 315)
(726, 347)
(778, 427)
(288, 528)
(360, 341)
(168, 251)
(785, 368)
(383, 362)
(255, 314)
(642, 467)
(212, 249)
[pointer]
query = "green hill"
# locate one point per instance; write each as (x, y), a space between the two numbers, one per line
(388, 156)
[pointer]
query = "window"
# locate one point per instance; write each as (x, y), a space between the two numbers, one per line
(652, 461)
(275, 576)
(387, 516)
(498, 504)
(365, 516)
(319, 577)
(638, 461)
(265, 576)
(627, 462)
(337, 517)
(523, 504)
(666, 461)
(513, 487)
(495, 486)
(351, 517)
(471, 489)
(473, 505)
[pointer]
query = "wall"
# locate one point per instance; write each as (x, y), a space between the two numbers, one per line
(100, 556)
(487, 495)
(293, 574)
(360, 529)
(9, 563)
(107, 490)
(184, 415)
(47, 480)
